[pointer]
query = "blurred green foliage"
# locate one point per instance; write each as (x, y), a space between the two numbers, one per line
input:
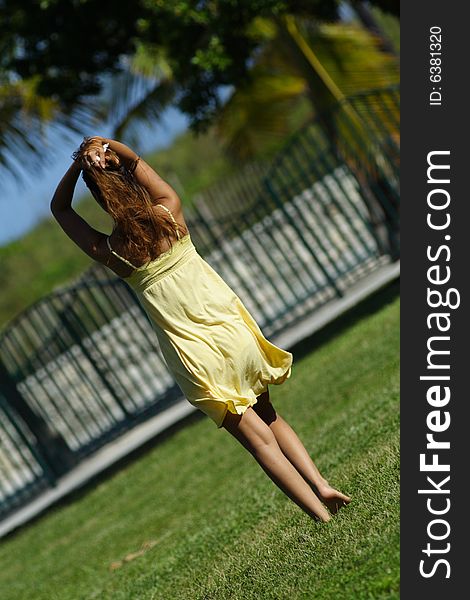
(390, 24)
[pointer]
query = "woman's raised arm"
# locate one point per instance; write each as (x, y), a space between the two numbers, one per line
(63, 195)
(145, 175)
(86, 237)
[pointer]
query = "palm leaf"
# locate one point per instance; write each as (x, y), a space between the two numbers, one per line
(351, 55)
(348, 54)
(27, 123)
(139, 95)
(258, 116)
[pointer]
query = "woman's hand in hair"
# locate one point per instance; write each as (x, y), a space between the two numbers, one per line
(95, 155)
(127, 156)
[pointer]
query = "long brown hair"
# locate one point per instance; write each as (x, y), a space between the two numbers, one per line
(128, 203)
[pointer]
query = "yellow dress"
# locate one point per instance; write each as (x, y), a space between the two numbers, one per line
(211, 344)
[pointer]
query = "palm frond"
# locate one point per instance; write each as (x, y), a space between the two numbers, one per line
(255, 117)
(349, 55)
(139, 95)
(28, 122)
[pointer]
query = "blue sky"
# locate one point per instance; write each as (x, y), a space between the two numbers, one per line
(22, 206)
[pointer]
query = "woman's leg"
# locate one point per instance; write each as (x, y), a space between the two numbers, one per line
(253, 433)
(295, 451)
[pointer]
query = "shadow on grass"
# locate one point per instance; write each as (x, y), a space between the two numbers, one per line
(365, 308)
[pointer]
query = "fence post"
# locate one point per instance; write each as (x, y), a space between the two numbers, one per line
(51, 449)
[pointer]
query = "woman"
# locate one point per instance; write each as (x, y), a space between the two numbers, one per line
(210, 342)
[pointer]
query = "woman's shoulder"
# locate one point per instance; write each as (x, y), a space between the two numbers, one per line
(171, 203)
(174, 206)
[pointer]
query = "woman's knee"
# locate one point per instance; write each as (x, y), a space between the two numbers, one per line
(249, 429)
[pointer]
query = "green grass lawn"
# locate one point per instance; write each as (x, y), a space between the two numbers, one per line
(216, 525)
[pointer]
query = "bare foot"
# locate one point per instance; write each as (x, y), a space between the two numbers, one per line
(333, 499)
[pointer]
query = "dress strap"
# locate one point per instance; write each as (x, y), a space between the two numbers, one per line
(174, 220)
(116, 254)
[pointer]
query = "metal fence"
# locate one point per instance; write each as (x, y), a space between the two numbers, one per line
(82, 365)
